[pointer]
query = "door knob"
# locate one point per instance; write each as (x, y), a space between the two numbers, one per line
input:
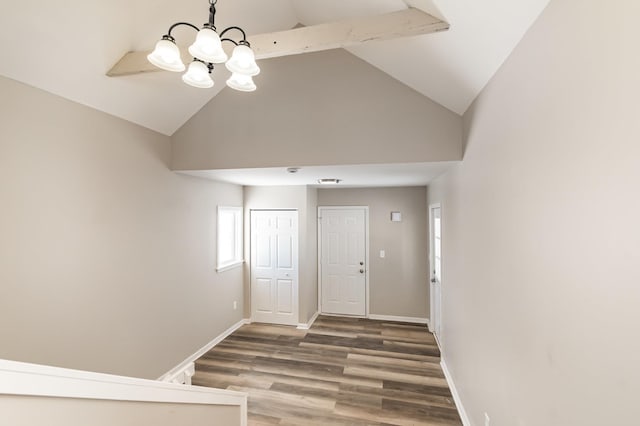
(361, 263)
(362, 271)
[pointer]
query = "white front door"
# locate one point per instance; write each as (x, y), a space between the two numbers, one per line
(274, 267)
(435, 219)
(343, 266)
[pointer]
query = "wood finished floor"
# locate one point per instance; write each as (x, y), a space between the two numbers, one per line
(343, 371)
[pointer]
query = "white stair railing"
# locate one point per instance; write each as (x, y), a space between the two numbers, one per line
(29, 380)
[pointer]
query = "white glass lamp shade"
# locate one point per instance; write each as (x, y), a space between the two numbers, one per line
(208, 47)
(166, 55)
(243, 61)
(241, 82)
(198, 76)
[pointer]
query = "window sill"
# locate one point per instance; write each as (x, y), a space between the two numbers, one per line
(223, 268)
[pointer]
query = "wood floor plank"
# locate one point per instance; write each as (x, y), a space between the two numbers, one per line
(343, 371)
(397, 419)
(398, 355)
(355, 398)
(392, 375)
(304, 401)
(417, 388)
(217, 380)
(383, 360)
(313, 383)
(429, 369)
(430, 399)
(420, 411)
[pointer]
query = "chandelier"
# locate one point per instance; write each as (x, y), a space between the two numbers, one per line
(206, 51)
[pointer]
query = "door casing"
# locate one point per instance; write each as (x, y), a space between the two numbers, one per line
(435, 294)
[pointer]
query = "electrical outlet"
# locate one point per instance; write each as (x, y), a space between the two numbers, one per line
(487, 420)
(382, 254)
(235, 305)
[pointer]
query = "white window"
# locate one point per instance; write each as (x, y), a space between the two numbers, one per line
(229, 238)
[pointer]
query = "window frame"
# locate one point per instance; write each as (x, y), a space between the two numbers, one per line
(238, 233)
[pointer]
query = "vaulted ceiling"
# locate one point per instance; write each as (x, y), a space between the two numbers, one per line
(66, 47)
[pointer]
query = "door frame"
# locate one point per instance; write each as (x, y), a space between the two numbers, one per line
(432, 302)
(297, 290)
(366, 252)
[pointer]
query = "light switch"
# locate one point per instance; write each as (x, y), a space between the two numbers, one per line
(382, 254)
(396, 217)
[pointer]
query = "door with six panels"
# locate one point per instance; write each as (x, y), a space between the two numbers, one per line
(342, 261)
(274, 266)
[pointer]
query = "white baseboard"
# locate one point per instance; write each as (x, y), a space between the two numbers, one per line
(182, 372)
(326, 314)
(308, 325)
(454, 392)
(414, 320)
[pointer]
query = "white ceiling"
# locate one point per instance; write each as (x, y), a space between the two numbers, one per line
(352, 176)
(67, 47)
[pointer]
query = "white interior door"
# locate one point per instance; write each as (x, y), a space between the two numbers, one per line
(435, 218)
(274, 267)
(343, 278)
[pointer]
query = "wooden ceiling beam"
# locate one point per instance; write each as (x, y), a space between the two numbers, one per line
(334, 35)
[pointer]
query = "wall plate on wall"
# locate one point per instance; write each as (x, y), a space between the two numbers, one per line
(396, 217)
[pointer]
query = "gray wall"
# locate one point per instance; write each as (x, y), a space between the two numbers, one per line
(107, 258)
(399, 282)
(302, 199)
(29, 411)
(318, 109)
(540, 228)
(309, 293)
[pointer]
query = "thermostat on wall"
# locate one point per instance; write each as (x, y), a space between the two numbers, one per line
(396, 217)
